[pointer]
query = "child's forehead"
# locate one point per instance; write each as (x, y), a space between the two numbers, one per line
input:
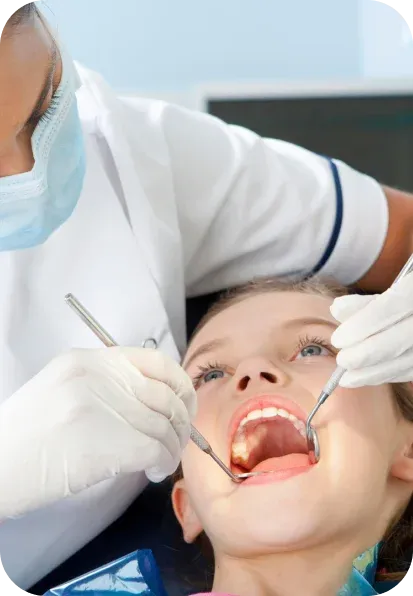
(259, 313)
(272, 307)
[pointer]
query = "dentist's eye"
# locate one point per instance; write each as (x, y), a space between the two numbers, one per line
(309, 347)
(52, 108)
(208, 373)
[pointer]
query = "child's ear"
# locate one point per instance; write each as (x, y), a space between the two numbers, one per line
(402, 467)
(185, 514)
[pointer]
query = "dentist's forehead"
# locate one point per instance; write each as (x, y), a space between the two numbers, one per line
(25, 55)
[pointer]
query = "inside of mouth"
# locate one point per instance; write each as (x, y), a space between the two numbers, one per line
(269, 445)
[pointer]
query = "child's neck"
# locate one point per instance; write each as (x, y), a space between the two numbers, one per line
(320, 572)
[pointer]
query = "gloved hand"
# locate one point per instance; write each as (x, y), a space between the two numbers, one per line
(375, 337)
(88, 416)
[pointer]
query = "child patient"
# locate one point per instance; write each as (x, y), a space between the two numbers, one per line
(259, 361)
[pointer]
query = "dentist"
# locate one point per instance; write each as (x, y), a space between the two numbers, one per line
(134, 206)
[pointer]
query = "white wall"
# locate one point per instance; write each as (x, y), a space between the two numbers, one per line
(387, 43)
(166, 48)
(170, 46)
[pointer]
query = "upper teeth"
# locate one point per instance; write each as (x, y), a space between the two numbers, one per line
(272, 413)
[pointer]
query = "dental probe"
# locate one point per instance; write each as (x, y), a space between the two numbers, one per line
(331, 385)
(109, 342)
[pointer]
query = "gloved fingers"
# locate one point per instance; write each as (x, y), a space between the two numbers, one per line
(130, 367)
(383, 347)
(163, 467)
(405, 377)
(130, 409)
(155, 365)
(158, 474)
(152, 457)
(393, 371)
(106, 446)
(138, 399)
(160, 398)
(345, 307)
(141, 453)
(136, 387)
(384, 311)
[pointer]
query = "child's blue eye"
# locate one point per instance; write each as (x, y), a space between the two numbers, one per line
(208, 373)
(213, 375)
(312, 350)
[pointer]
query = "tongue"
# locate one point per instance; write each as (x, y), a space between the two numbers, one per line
(288, 462)
(274, 444)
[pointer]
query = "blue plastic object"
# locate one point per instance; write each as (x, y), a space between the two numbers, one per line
(138, 574)
(362, 579)
(135, 574)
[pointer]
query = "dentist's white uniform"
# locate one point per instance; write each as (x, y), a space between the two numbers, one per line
(175, 204)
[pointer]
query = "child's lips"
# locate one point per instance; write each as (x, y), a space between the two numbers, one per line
(287, 462)
(279, 469)
(273, 477)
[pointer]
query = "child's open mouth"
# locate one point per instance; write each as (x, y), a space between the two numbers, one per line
(269, 438)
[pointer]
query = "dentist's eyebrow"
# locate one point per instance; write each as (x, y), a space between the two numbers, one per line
(307, 321)
(205, 349)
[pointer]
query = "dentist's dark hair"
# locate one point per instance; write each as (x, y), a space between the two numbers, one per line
(25, 11)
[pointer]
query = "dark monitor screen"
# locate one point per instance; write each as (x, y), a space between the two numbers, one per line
(374, 134)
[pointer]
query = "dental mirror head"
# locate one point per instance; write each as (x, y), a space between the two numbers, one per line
(313, 445)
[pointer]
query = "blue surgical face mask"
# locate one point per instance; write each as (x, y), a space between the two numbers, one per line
(34, 204)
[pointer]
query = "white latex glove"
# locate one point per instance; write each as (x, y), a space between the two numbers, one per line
(88, 416)
(375, 338)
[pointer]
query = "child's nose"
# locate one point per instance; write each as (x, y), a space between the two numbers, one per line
(256, 374)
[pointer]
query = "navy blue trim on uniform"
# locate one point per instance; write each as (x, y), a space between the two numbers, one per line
(338, 222)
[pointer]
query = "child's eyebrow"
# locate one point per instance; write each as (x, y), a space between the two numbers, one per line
(205, 348)
(307, 321)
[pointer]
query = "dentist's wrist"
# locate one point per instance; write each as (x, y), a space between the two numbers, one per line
(398, 245)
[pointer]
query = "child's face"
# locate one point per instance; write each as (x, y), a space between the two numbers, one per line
(272, 351)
